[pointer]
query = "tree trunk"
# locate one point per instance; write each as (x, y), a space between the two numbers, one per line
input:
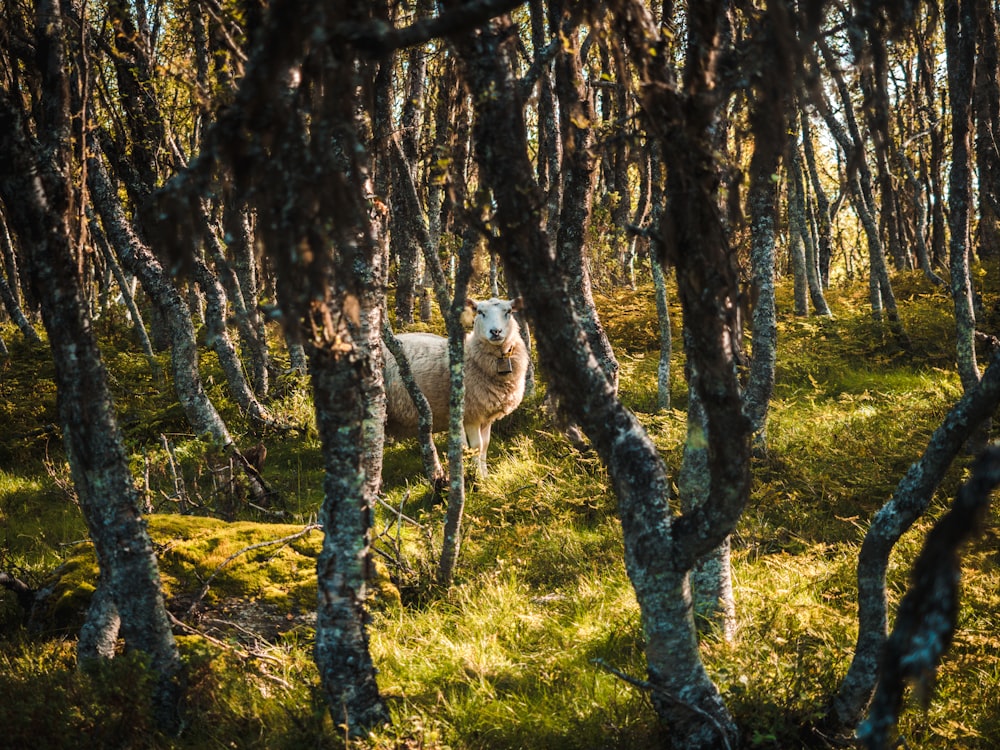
(342, 655)
(9, 291)
(425, 419)
(658, 552)
(240, 277)
(452, 541)
(960, 44)
(910, 500)
(928, 613)
(859, 179)
(986, 99)
(140, 261)
(39, 211)
(656, 200)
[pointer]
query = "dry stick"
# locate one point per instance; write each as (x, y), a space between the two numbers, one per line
(229, 648)
(397, 544)
(650, 687)
(180, 492)
(283, 541)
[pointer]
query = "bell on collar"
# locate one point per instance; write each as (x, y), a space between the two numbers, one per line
(505, 366)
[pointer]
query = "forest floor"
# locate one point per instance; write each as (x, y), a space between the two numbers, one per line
(512, 655)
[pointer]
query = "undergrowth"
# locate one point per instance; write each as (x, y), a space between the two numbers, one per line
(512, 655)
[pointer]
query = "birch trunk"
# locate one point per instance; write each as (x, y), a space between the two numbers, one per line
(909, 501)
(659, 551)
(960, 33)
(140, 261)
(39, 205)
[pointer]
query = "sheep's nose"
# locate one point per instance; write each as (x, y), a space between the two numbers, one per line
(495, 333)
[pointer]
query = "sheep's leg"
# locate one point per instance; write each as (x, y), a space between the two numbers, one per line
(474, 436)
(484, 440)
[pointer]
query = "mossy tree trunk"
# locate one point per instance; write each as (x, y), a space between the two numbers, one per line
(37, 195)
(322, 237)
(660, 549)
(960, 46)
(910, 500)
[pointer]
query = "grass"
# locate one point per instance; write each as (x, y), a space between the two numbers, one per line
(506, 657)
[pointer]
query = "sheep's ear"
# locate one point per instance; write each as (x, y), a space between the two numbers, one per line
(468, 316)
(517, 305)
(469, 302)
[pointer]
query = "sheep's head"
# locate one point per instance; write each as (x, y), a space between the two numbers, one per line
(494, 320)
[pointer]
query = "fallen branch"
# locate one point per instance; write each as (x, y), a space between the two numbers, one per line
(283, 541)
(651, 688)
(239, 651)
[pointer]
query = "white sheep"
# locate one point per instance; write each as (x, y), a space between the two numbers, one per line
(496, 361)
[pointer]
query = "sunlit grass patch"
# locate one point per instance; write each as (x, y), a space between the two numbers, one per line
(796, 628)
(510, 665)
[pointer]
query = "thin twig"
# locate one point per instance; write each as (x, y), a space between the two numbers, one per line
(239, 651)
(284, 540)
(660, 692)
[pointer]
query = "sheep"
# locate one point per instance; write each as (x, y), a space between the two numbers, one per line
(496, 362)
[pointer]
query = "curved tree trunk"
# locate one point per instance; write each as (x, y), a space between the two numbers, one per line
(659, 552)
(140, 262)
(909, 501)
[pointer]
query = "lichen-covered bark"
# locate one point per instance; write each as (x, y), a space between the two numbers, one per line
(342, 655)
(656, 200)
(218, 338)
(295, 155)
(578, 175)
(960, 45)
(452, 541)
(908, 503)
(139, 260)
(658, 552)
(35, 192)
(239, 276)
(928, 613)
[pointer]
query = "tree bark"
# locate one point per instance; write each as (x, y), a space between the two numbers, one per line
(659, 552)
(859, 180)
(928, 614)
(140, 261)
(9, 291)
(960, 44)
(908, 503)
(38, 201)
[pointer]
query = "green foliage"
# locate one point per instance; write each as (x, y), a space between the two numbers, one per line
(507, 658)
